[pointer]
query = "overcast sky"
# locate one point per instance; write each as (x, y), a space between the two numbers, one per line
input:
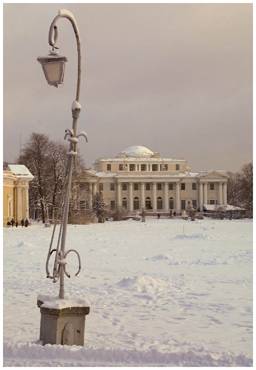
(176, 78)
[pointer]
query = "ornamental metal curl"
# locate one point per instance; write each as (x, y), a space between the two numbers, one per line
(59, 253)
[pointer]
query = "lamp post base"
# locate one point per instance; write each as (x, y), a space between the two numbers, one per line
(62, 321)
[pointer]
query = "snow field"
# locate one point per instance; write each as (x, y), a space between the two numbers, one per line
(164, 292)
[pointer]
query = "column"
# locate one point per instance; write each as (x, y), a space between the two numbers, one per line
(201, 197)
(142, 195)
(205, 193)
(118, 195)
(166, 200)
(130, 196)
(90, 195)
(220, 194)
(19, 204)
(27, 202)
(94, 188)
(154, 197)
(225, 194)
(178, 197)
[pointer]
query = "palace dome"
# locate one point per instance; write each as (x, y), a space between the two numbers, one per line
(137, 151)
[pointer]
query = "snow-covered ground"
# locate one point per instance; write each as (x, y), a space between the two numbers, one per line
(162, 293)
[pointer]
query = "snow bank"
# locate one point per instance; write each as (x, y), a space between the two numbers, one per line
(144, 284)
(191, 236)
(54, 355)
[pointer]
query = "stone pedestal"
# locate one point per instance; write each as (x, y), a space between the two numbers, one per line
(62, 323)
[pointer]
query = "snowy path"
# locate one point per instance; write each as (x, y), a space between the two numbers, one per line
(167, 292)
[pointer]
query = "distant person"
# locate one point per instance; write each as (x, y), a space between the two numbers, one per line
(143, 218)
(22, 222)
(26, 223)
(8, 223)
(12, 222)
(158, 216)
(171, 213)
(16, 224)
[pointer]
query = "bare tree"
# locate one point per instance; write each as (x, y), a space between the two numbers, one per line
(46, 160)
(240, 188)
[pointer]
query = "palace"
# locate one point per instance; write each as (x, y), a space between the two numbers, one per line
(138, 178)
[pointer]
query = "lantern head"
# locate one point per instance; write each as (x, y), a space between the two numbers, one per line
(53, 66)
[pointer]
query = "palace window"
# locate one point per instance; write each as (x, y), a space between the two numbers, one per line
(108, 167)
(148, 187)
(112, 204)
(213, 201)
(132, 167)
(135, 186)
(211, 186)
(148, 203)
(194, 203)
(183, 204)
(121, 167)
(164, 167)
(154, 167)
(193, 185)
(100, 186)
(82, 204)
(171, 203)
(136, 203)
(177, 167)
(183, 186)
(124, 186)
(170, 186)
(112, 186)
(159, 186)
(84, 186)
(143, 167)
(159, 203)
(124, 203)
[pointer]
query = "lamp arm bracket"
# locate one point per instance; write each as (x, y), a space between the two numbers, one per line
(53, 34)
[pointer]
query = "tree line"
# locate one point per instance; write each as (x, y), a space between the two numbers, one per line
(240, 188)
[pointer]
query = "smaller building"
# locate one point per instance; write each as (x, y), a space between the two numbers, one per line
(16, 178)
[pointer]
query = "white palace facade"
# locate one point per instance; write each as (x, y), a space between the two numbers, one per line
(138, 178)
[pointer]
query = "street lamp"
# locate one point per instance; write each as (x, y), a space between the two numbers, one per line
(72, 328)
(53, 66)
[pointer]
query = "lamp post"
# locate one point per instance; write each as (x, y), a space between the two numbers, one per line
(53, 67)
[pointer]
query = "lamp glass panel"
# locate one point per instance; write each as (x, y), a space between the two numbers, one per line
(54, 72)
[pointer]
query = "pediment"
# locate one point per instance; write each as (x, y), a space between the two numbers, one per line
(214, 175)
